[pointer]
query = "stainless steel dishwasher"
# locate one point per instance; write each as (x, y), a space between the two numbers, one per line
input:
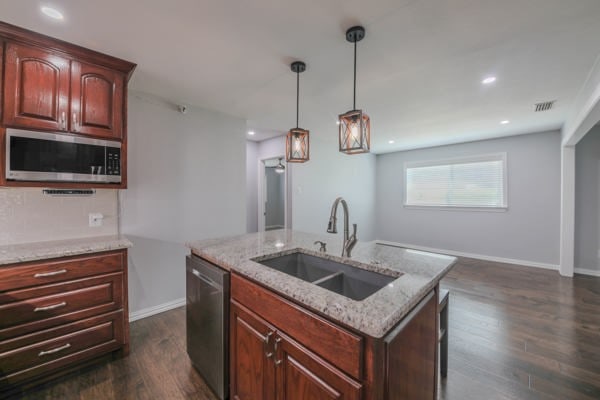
(207, 320)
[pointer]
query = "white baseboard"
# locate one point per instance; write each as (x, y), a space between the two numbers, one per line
(147, 312)
(585, 271)
(472, 255)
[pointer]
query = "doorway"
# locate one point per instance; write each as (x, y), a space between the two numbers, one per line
(272, 204)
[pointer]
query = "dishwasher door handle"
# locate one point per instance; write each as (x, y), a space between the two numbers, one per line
(206, 279)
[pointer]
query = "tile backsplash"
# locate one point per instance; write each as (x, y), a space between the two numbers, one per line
(28, 215)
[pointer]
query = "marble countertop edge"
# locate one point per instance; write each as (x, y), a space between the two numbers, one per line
(27, 252)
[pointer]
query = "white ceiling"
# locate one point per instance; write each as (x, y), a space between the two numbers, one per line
(419, 68)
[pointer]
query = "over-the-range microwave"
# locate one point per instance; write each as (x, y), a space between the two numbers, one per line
(55, 157)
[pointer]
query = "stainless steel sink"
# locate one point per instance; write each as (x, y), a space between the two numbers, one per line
(347, 280)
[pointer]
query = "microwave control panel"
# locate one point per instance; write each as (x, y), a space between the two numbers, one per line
(113, 161)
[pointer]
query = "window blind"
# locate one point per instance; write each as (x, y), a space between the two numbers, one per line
(469, 182)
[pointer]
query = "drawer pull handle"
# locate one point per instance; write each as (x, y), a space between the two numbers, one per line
(277, 341)
(52, 307)
(56, 350)
(46, 274)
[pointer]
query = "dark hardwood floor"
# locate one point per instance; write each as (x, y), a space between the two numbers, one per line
(515, 333)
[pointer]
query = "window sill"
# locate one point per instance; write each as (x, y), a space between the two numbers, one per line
(451, 208)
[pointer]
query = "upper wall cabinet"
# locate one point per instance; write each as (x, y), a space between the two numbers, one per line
(96, 100)
(45, 91)
(50, 85)
(36, 89)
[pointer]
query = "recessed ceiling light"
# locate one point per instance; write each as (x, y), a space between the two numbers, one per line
(391, 142)
(488, 80)
(52, 13)
(505, 122)
(251, 133)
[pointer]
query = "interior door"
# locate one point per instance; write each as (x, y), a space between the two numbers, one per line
(96, 101)
(302, 375)
(36, 89)
(251, 357)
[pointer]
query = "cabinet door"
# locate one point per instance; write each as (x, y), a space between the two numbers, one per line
(251, 356)
(96, 101)
(36, 89)
(302, 375)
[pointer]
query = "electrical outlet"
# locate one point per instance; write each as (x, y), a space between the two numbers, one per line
(95, 220)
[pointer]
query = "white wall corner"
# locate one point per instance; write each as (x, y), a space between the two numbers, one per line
(149, 311)
(586, 110)
(567, 212)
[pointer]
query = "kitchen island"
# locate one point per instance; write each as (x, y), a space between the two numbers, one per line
(311, 340)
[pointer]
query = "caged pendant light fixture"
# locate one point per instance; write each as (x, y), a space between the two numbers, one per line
(297, 141)
(355, 125)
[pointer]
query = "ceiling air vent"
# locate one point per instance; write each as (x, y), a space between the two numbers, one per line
(544, 106)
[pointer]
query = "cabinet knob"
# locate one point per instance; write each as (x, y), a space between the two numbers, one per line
(75, 124)
(63, 121)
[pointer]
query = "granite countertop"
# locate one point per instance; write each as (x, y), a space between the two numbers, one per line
(60, 248)
(373, 316)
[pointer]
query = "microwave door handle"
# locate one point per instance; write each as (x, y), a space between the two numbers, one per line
(75, 125)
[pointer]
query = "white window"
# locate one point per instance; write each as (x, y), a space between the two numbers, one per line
(474, 182)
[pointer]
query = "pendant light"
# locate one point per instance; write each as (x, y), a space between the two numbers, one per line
(280, 168)
(297, 143)
(355, 125)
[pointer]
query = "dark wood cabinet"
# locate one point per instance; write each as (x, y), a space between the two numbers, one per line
(411, 354)
(301, 375)
(57, 314)
(45, 91)
(282, 350)
(36, 89)
(268, 364)
(50, 85)
(252, 368)
(96, 101)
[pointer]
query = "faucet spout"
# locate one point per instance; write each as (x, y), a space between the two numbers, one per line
(349, 241)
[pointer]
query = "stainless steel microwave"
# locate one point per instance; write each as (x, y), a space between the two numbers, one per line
(54, 157)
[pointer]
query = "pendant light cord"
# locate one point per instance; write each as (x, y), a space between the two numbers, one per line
(297, 97)
(354, 101)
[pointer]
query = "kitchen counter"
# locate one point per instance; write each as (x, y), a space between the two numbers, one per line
(60, 248)
(373, 316)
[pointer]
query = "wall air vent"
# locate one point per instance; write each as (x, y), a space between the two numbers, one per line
(544, 106)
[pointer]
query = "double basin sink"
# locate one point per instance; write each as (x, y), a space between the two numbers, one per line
(346, 280)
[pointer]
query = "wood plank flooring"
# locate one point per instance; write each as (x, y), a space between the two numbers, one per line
(515, 333)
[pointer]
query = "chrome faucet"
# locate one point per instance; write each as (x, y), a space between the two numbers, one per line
(349, 241)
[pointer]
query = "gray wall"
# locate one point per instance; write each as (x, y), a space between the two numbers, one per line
(251, 186)
(587, 201)
(330, 174)
(186, 178)
(529, 230)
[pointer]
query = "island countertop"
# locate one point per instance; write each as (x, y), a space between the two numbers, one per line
(373, 316)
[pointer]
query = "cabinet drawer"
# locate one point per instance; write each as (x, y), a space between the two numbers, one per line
(335, 344)
(76, 342)
(40, 273)
(27, 310)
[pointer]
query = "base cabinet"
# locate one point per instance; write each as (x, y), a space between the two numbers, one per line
(273, 357)
(302, 375)
(267, 364)
(57, 314)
